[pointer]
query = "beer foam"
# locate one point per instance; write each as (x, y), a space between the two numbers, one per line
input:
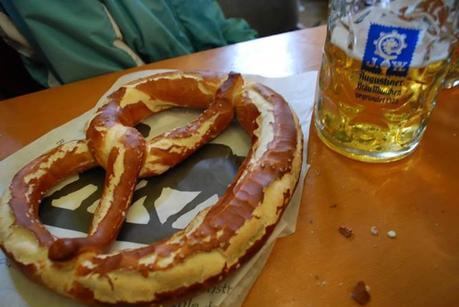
(350, 33)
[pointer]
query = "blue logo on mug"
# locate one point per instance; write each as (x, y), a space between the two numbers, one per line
(389, 50)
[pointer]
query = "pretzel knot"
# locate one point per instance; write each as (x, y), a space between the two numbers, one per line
(216, 241)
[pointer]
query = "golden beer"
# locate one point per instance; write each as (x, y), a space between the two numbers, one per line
(382, 68)
(372, 118)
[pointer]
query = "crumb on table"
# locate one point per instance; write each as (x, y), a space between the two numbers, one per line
(361, 293)
(392, 234)
(374, 230)
(345, 231)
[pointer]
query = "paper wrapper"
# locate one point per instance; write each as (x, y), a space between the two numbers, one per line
(161, 205)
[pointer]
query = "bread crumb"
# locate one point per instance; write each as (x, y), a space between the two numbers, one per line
(392, 234)
(361, 293)
(345, 231)
(374, 230)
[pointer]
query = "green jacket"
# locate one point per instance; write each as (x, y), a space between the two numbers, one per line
(68, 40)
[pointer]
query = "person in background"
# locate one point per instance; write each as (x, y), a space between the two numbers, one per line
(62, 41)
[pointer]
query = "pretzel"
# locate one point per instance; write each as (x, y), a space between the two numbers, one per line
(215, 242)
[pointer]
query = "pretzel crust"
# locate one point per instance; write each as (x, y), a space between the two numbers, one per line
(217, 240)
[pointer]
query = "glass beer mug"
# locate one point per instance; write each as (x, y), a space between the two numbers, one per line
(383, 64)
(452, 77)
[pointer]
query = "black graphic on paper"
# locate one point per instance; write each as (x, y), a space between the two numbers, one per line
(144, 129)
(207, 173)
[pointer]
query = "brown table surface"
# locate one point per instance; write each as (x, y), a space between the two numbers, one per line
(417, 197)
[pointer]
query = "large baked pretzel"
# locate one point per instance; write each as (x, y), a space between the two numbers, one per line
(212, 245)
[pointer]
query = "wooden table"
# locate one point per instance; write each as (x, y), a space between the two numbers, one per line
(417, 197)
